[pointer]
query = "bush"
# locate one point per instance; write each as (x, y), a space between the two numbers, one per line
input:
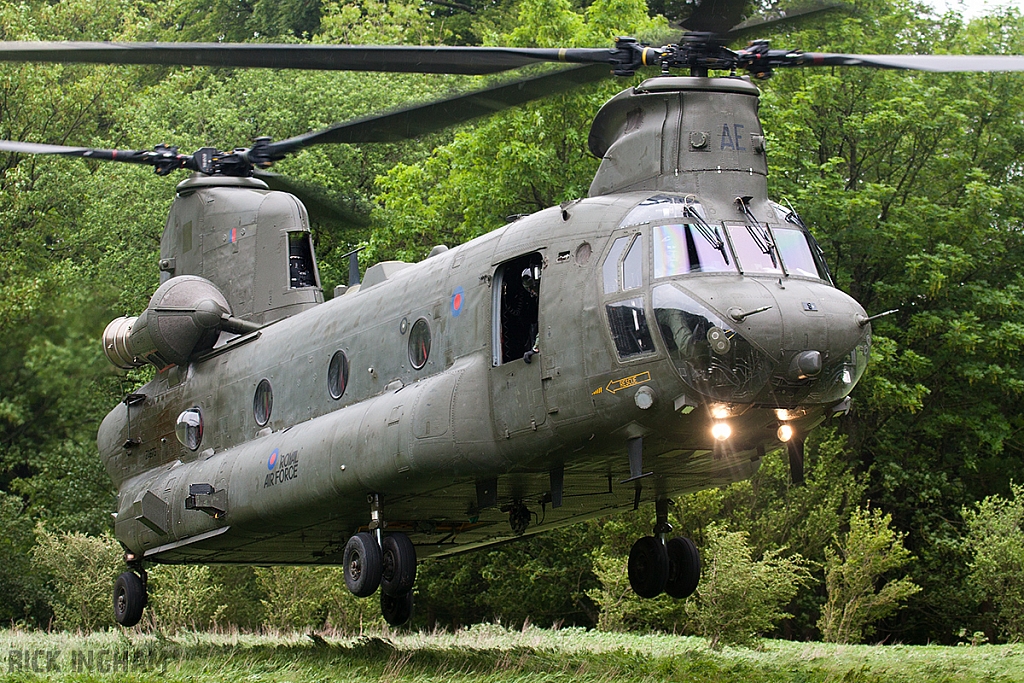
(22, 595)
(995, 533)
(854, 568)
(314, 597)
(183, 597)
(739, 598)
(79, 571)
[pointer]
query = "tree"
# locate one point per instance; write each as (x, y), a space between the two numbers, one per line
(995, 535)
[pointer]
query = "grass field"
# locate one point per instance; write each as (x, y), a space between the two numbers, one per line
(482, 653)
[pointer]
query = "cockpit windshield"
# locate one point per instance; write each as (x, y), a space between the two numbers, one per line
(796, 252)
(755, 250)
(681, 248)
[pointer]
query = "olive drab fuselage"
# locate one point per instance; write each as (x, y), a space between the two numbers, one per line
(675, 298)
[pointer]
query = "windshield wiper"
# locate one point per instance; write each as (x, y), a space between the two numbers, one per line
(709, 233)
(761, 235)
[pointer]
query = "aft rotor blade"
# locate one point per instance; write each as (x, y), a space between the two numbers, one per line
(716, 16)
(791, 16)
(390, 58)
(321, 206)
(433, 116)
(936, 63)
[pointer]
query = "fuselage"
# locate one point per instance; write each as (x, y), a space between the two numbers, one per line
(645, 329)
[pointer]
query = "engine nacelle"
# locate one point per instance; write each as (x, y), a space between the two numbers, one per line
(185, 317)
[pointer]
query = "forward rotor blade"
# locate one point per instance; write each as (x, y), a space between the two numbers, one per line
(936, 63)
(390, 58)
(128, 156)
(426, 118)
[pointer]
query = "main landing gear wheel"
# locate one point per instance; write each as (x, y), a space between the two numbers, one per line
(129, 598)
(648, 567)
(396, 609)
(362, 561)
(399, 565)
(683, 568)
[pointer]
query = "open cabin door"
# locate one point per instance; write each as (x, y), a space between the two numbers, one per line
(517, 398)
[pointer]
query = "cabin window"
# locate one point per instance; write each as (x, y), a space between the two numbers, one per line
(796, 252)
(263, 402)
(658, 208)
(628, 322)
(337, 373)
(517, 309)
(419, 343)
(188, 428)
(301, 271)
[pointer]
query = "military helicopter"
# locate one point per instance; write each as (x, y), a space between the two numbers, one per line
(655, 338)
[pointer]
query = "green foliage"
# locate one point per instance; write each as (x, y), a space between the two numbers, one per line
(79, 571)
(739, 598)
(995, 535)
(857, 576)
(22, 596)
(182, 597)
(314, 597)
(542, 579)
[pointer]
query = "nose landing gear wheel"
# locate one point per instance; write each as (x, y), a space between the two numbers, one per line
(399, 564)
(648, 567)
(683, 568)
(129, 598)
(362, 562)
(396, 609)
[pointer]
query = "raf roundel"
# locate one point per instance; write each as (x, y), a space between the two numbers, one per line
(458, 298)
(272, 460)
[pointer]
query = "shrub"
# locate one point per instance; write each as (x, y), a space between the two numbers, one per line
(995, 533)
(79, 571)
(739, 598)
(855, 568)
(183, 597)
(314, 597)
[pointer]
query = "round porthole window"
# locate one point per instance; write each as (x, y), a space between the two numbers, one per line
(337, 375)
(189, 428)
(263, 402)
(419, 343)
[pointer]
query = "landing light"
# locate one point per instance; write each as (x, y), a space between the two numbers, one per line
(719, 411)
(785, 433)
(721, 431)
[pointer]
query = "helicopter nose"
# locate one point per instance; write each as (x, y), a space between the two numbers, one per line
(804, 365)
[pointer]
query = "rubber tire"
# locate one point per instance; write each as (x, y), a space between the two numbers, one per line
(398, 572)
(397, 610)
(129, 599)
(683, 568)
(362, 563)
(648, 567)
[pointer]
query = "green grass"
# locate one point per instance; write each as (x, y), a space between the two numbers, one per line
(482, 653)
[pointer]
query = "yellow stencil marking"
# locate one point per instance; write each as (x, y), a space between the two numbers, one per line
(597, 391)
(626, 382)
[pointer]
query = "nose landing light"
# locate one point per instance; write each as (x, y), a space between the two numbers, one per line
(804, 365)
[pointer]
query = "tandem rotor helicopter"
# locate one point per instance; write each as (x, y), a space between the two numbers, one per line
(652, 339)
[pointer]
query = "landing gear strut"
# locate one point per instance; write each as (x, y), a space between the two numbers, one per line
(130, 595)
(657, 566)
(373, 560)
